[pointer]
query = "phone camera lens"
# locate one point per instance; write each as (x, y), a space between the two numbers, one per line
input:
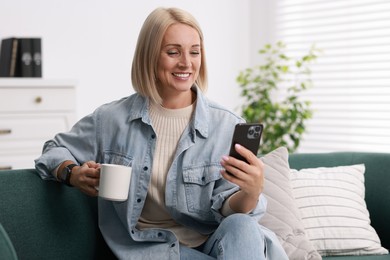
(257, 129)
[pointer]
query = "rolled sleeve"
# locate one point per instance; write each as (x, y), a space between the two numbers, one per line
(219, 201)
(257, 212)
(50, 160)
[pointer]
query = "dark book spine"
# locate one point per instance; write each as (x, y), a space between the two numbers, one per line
(24, 61)
(37, 57)
(8, 57)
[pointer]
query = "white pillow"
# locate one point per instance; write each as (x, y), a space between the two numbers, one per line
(333, 210)
(282, 215)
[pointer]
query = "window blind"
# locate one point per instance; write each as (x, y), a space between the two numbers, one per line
(350, 96)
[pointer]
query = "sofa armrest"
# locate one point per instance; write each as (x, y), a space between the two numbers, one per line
(7, 250)
(48, 220)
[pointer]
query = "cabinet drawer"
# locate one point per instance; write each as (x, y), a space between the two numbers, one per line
(37, 99)
(18, 161)
(18, 128)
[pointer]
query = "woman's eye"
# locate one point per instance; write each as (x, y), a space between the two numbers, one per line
(170, 53)
(195, 53)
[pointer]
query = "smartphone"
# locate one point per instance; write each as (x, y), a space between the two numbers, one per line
(247, 135)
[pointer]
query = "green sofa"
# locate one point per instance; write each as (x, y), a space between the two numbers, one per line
(47, 220)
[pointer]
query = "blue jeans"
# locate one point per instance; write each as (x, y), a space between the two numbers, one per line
(237, 237)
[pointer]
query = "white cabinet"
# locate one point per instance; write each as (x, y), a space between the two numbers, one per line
(32, 111)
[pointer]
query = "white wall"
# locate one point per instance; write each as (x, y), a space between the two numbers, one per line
(93, 42)
(261, 28)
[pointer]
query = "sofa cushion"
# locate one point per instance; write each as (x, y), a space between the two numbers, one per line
(7, 250)
(333, 209)
(282, 215)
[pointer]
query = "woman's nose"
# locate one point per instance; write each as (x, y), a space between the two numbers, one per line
(185, 61)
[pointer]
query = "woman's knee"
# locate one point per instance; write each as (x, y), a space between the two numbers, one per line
(241, 223)
(239, 236)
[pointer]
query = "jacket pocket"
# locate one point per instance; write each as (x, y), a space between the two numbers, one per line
(117, 158)
(199, 183)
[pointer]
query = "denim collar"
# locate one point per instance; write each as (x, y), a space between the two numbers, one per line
(139, 109)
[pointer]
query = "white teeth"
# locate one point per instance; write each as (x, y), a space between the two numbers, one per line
(181, 75)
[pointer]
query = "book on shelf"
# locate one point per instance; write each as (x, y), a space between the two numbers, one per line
(24, 62)
(37, 57)
(8, 57)
(21, 57)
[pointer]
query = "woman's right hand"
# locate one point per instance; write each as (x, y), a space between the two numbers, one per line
(86, 178)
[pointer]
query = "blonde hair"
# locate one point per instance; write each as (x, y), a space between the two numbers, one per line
(147, 51)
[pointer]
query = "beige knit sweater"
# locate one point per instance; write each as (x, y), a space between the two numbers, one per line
(169, 125)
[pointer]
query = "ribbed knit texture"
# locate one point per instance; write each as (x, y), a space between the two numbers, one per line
(169, 125)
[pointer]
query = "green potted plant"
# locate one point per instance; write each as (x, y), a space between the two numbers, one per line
(271, 94)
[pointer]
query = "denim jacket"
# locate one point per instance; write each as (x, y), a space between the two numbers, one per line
(121, 133)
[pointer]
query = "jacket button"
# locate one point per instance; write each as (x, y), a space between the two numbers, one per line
(173, 245)
(145, 168)
(153, 136)
(139, 200)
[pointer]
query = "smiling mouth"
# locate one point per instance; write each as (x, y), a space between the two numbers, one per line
(181, 75)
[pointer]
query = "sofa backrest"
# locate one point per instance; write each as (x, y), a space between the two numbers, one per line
(377, 181)
(48, 220)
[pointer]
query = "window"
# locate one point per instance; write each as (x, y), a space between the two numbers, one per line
(351, 78)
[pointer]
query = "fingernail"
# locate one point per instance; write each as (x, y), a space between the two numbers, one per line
(238, 146)
(225, 158)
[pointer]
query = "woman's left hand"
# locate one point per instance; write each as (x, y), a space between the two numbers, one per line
(247, 175)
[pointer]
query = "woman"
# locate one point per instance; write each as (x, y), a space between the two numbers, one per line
(182, 204)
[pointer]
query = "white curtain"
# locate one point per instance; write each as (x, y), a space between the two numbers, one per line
(351, 92)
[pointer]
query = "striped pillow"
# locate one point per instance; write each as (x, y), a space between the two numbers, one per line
(333, 210)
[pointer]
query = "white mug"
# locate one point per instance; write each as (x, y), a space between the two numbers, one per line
(114, 182)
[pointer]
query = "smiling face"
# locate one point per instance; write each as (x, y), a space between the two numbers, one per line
(179, 64)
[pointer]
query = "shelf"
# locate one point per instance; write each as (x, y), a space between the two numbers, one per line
(36, 82)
